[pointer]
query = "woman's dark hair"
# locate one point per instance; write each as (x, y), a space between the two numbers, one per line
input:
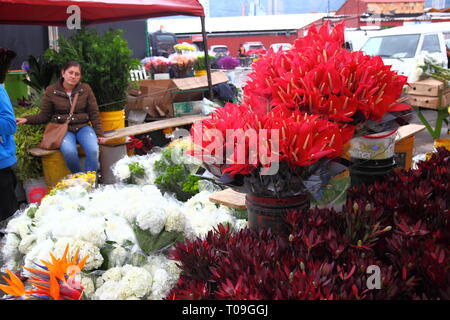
(6, 57)
(72, 64)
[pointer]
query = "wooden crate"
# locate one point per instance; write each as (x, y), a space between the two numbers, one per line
(429, 87)
(429, 101)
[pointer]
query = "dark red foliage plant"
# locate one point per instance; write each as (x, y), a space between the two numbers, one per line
(400, 225)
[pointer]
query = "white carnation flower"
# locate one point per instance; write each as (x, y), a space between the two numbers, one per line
(122, 171)
(118, 256)
(10, 251)
(160, 287)
(27, 243)
(109, 290)
(41, 251)
(88, 286)
(137, 282)
(118, 229)
(152, 221)
(113, 274)
(94, 260)
(241, 224)
(124, 283)
(176, 220)
(79, 226)
(21, 225)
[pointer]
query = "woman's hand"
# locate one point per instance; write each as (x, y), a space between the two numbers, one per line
(101, 140)
(21, 120)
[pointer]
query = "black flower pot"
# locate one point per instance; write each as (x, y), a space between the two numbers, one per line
(364, 171)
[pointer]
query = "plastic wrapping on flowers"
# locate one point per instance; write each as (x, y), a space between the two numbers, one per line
(115, 226)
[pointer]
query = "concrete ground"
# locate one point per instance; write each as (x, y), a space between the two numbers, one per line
(423, 141)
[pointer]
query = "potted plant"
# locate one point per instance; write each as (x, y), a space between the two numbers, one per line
(107, 61)
(41, 74)
(300, 108)
(200, 64)
(29, 168)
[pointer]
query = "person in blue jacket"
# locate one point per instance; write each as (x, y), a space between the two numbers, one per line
(8, 200)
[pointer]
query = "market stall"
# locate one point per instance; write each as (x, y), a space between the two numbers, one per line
(309, 151)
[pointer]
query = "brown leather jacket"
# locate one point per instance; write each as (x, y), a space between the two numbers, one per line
(56, 107)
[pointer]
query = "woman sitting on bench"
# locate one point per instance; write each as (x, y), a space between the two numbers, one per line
(56, 107)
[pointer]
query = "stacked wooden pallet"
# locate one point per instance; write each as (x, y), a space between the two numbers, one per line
(429, 93)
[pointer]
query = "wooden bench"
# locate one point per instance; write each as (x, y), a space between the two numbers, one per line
(133, 130)
(153, 126)
(229, 198)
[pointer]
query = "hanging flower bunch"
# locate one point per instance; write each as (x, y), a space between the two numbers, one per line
(319, 76)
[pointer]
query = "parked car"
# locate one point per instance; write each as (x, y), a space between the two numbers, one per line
(401, 46)
(284, 46)
(219, 50)
(254, 48)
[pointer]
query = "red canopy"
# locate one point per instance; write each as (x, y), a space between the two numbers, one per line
(54, 12)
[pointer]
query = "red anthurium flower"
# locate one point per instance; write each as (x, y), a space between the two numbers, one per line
(319, 76)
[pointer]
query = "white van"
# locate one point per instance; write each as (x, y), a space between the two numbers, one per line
(401, 46)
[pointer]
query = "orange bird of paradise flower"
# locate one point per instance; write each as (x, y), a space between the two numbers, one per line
(54, 281)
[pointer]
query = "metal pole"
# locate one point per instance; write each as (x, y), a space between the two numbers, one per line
(208, 66)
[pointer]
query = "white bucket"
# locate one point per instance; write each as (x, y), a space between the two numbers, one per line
(161, 76)
(373, 147)
(35, 190)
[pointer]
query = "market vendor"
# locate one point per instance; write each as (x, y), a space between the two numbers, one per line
(8, 200)
(56, 107)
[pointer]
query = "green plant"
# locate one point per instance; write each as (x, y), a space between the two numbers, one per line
(26, 137)
(200, 63)
(106, 61)
(175, 178)
(137, 171)
(41, 73)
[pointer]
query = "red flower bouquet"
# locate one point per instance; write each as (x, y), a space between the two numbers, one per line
(300, 107)
(158, 65)
(319, 76)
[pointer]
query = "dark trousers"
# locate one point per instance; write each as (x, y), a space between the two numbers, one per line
(8, 200)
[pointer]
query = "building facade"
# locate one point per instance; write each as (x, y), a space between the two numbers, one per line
(362, 14)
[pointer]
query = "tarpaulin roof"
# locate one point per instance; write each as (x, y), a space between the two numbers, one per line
(54, 12)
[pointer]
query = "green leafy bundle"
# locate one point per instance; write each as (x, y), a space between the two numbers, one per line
(137, 171)
(106, 61)
(200, 63)
(434, 70)
(175, 178)
(26, 137)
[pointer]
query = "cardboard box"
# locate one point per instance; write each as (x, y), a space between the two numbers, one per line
(187, 107)
(429, 102)
(429, 87)
(160, 95)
